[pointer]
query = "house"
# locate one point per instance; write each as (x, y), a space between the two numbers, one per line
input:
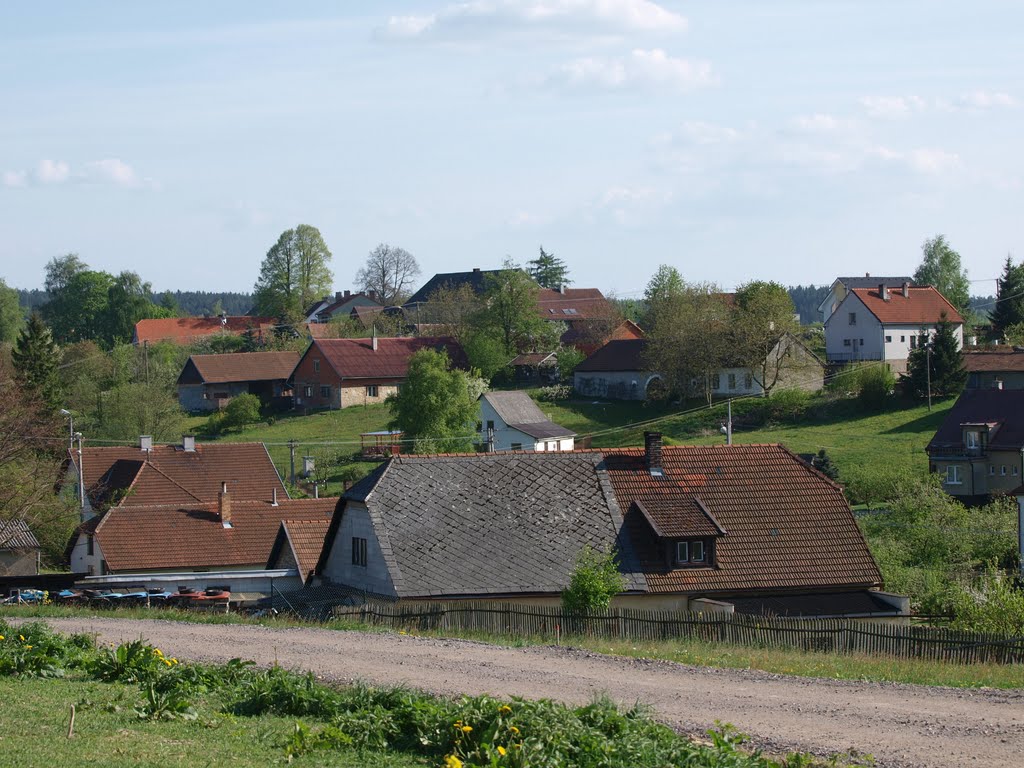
(338, 373)
(342, 304)
(209, 382)
(19, 549)
(186, 330)
(476, 279)
(298, 545)
(512, 421)
(995, 368)
(842, 286)
(619, 371)
(751, 527)
(977, 451)
(884, 323)
(589, 336)
(535, 368)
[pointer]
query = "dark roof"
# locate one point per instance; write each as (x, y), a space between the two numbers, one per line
(616, 355)
(922, 305)
(242, 366)
(475, 279)
(357, 359)
(139, 538)
(1004, 408)
(857, 603)
(1002, 360)
(15, 534)
(489, 524)
(872, 281)
(168, 474)
(786, 526)
(519, 411)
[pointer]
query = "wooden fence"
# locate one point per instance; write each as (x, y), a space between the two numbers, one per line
(844, 636)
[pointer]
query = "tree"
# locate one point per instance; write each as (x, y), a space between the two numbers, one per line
(595, 580)
(823, 463)
(433, 408)
(763, 316)
(455, 309)
(242, 410)
(390, 273)
(1009, 308)
(35, 358)
(948, 374)
(294, 274)
(941, 269)
(510, 311)
(568, 359)
(485, 354)
(78, 299)
(128, 301)
(548, 270)
(11, 316)
(137, 408)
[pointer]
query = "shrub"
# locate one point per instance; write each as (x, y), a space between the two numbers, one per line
(875, 385)
(554, 392)
(595, 581)
(242, 410)
(995, 605)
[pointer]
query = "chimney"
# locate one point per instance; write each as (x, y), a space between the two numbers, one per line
(652, 453)
(273, 502)
(373, 338)
(476, 270)
(867, 274)
(145, 443)
(337, 295)
(346, 294)
(224, 505)
(999, 383)
(188, 443)
(906, 290)
(561, 289)
(883, 291)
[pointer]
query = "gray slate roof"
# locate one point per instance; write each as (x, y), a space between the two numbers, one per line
(519, 411)
(15, 534)
(492, 524)
(872, 281)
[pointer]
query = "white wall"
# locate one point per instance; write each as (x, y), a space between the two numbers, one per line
(374, 577)
(505, 437)
(865, 338)
(82, 561)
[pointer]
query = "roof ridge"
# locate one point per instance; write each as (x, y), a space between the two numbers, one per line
(170, 479)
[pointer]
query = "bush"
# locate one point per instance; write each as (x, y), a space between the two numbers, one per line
(595, 581)
(242, 410)
(995, 605)
(554, 392)
(875, 385)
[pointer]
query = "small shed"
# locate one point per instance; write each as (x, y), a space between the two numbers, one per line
(380, 445)
(535, 368)
(19, 549)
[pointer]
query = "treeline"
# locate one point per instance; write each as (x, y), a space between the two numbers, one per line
(196, 303)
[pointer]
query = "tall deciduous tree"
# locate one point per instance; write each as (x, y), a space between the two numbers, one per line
(36, 357)
(942, 269)
(78, 297)
(548, 270)
(434, 407)
(510, 311)
(664, 286)
(294, 274)
(1009, 309)
(389, 272)
(128, 301)
(11, 317)
(945, 360)
(763, 316)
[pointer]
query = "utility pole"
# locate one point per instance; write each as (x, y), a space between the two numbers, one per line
(928, 370)
(728, 425)
(291, 450)
(81, 478)
(145, 355)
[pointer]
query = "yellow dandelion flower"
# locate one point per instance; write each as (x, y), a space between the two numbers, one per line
(28, 647)
(2, 637)
(22, 638)
(501, 751)
(452, 762)
(467, 728)
(167, 662)
(504, 709)
(174, 660)
(158, 652)
(514, 729)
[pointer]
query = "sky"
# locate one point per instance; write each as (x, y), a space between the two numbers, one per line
(788, 141)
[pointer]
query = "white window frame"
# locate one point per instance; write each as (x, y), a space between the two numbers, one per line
(1002, 471)
(684, 548)
(316, 365)
(953, 475)
(695, 547)
(307, 391)
(971, 438)
(371, 390)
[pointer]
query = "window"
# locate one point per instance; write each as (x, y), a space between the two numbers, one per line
(888, 339)
(748, 381)
(971, 439)
(490, 425)
(953, 475)
(551, 446)
(732, 381)
(853, 318)
(862, 342)
(371, 390)
(716, 381)
(1013, 470)
(1002, 470)
(903, 338)
(682, 551)
(697, 552)
(691, 552)
(90, 544)
(913, 342)
(992, 470)
(325, 391)
(359, 551)
(307, 391)
(846, 342)
(517, 446)
(316, 366)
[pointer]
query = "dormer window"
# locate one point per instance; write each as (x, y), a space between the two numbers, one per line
(971, 439)
(692, 552)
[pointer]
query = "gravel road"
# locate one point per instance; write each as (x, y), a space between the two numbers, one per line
(900, 725)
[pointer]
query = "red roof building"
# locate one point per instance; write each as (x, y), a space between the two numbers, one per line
(209, 382)
(186, 330)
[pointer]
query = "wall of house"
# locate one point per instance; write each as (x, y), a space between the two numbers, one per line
(238, 582)
(861, 341)
(639, 601)
(374, 577)
(210, 397)
(997, 472)
(81, 561)
(357, 394)
(896, 339)
(615, 385)
(732, 382)
(19, 563)
(988, 380)
(306, 374)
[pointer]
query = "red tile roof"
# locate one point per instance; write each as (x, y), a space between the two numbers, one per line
(140, 538)
(571, 304)
(306, 538)
(184, 330)
(616, 355)
(170, 475)
(923, 305)
(1009, 360)
(357, 359)
(786, 525)
(243, 366)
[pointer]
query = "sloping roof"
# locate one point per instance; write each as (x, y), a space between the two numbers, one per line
(873, 281)
(320, 330)
(183, 330)
(357, 359)
(306, 539)
(571, 304)
(338, 303)
(1001, 407)
(140, 538)
(519, 411)
(15, 534)
(489, 524)
(787, 526)
(244, 366)
(1005, 359)
(168, 474)
(475, 279)
(616, 355)
(923, 305)
(367, 315)
(535, 358)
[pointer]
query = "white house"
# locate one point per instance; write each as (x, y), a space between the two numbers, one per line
(842, 286)
(511, 421)
(884, 323)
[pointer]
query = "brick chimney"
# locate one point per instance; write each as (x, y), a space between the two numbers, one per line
(906, 290)
(476, 269)
(883, 291)
(652, 453)
(224, 505)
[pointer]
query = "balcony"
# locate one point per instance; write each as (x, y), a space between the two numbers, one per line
(852, 357)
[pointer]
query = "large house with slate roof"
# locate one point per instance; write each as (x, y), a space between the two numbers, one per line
(750, 526)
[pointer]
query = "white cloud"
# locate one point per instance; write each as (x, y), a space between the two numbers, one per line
(892, 107)
(15, 178)
(480, 17)
(52, 172)
(986, 100)
(640, 68)
(821, 124)
(699, 132)
(110, 170)
(923, 160)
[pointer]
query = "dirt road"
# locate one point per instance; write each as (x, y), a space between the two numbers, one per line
(900, 725)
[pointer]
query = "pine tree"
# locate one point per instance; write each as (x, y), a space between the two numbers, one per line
(36, 357)
(947, 371)
(823, 463)
(548, 270)
(1009, 309)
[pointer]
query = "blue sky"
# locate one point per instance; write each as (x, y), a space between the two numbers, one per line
(792, 141)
